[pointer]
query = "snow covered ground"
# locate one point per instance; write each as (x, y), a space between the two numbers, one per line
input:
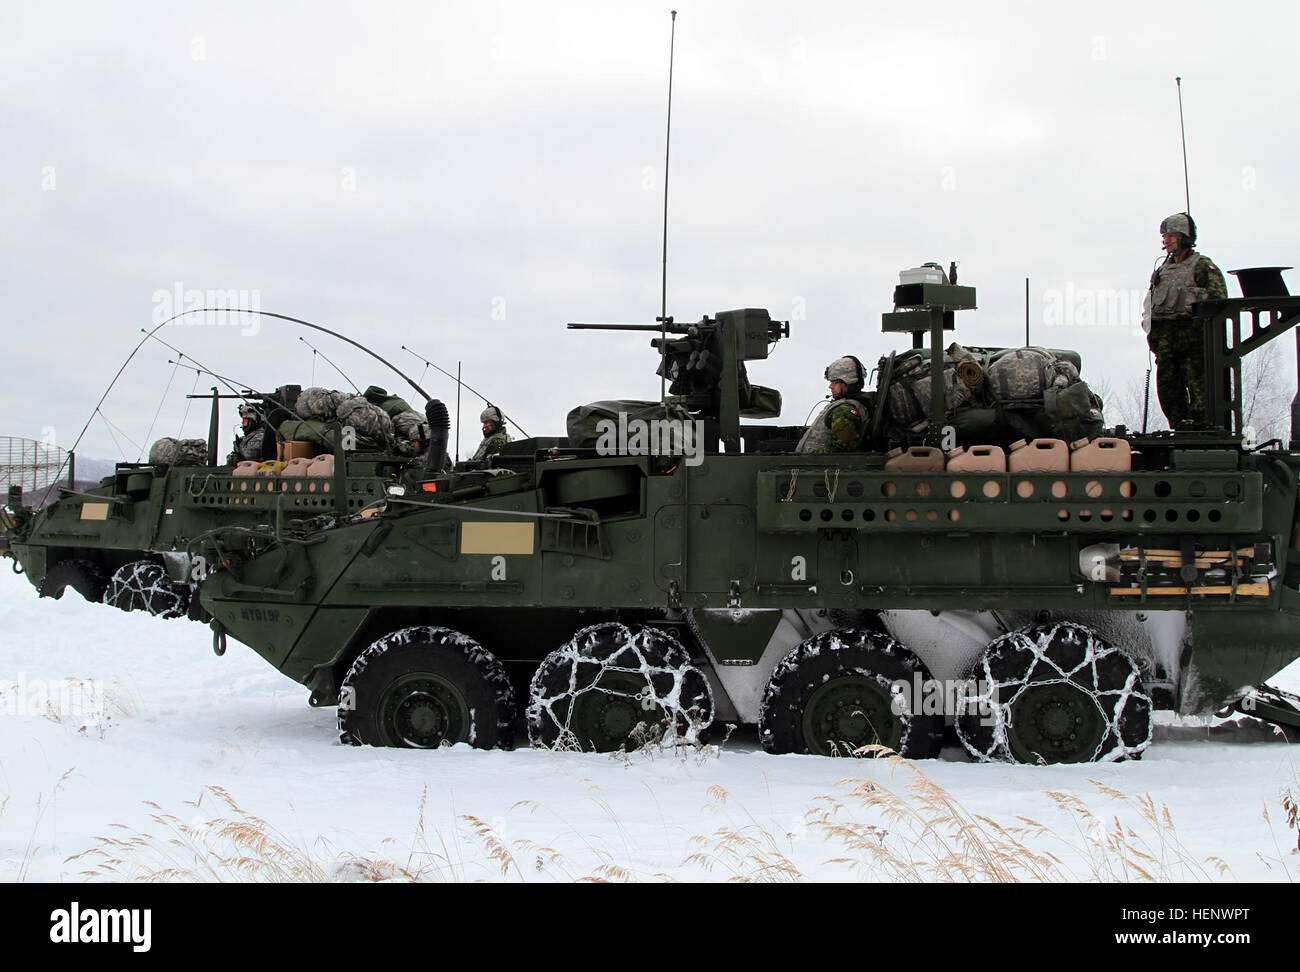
(181, 726)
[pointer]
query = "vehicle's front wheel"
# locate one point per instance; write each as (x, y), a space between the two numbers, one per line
(81, 575)
(424, 687)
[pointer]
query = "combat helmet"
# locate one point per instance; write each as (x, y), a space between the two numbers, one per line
(1182, 224)
(847, 369)
(492, 414)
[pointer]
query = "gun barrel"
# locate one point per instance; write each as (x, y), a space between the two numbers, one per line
(613, 327)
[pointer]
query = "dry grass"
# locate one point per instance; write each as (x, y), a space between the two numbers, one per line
(29, 852)
(919, 832)
(1291, 809)
(240, 846)
(911, 830)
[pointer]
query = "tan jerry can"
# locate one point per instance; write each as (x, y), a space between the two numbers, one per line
(1101, 455)
(1040, 455)
(246, 468)
(983, 458)
(915, 459)
(321, 466)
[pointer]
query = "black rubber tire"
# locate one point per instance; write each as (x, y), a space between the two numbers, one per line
(81, 575)
(143, 585)
(1055, 693)
(423, 687)
(614, 687)
(838, 681)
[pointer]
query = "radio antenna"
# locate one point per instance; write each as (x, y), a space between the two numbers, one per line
(1187, 191)
(664, 319)
(316, 351)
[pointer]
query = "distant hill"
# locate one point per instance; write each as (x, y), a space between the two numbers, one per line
(95, 469)
(50, 493)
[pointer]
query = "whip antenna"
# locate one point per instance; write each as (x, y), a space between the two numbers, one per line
(315, 352)
(1187, 191)
(663, 292)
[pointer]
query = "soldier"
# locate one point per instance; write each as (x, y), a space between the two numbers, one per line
(842, 424)
(1175, 336)
(494, 433)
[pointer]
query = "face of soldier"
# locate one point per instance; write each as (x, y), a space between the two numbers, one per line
(1171, 242)
(488, 428)
(838, 389)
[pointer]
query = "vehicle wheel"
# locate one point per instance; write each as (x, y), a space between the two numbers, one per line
(143, 585)
(424, 687)
(611, 686)
(1055, 693)
(81, 575)
(842, 690)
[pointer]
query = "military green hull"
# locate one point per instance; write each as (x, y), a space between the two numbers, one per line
(720, 552)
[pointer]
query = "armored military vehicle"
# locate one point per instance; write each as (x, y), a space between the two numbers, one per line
(665, 564)
(125, 540)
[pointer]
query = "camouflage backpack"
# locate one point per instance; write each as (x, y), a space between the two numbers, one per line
(1018, 377)
(908, 402)
(168, 451)
(369, 420)
(319, 403)
(410, 426)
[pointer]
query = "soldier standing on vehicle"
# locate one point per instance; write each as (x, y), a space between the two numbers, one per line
(842, 424)
(1174, 335)
(494, 433)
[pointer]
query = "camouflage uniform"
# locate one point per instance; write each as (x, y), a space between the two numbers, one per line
(842, 425)
(839, 427)
(1177, 339)
(491, 444)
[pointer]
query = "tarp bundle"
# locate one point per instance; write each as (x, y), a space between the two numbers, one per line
(168, 451)
(993, 398)
(583, 422)
(317, 407)
(409, 426)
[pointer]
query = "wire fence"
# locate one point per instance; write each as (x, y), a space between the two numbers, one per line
(28, 463)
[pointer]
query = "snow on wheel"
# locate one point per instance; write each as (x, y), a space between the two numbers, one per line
(81, 575)
(611, 686)
(143, 585)
(845, 689)
(1055, 693)
(424, 687)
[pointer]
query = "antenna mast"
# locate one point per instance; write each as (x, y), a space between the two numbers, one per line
(1187, 191)
(663, 304)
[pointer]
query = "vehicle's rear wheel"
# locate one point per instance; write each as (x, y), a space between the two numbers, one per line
(843, 690)
(613, 687)
(424, 687)
(143, 585)
(1055, 693)
(81, 575)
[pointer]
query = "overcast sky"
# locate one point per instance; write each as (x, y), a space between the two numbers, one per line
(464, 178)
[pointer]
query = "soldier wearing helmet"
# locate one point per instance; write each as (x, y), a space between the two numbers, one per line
(1174, 335)
(842, 425)
(494, 433)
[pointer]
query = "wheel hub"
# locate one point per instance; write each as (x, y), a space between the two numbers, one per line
(605, 715)
(422, 711)
(1058, 722)
(849, 713)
